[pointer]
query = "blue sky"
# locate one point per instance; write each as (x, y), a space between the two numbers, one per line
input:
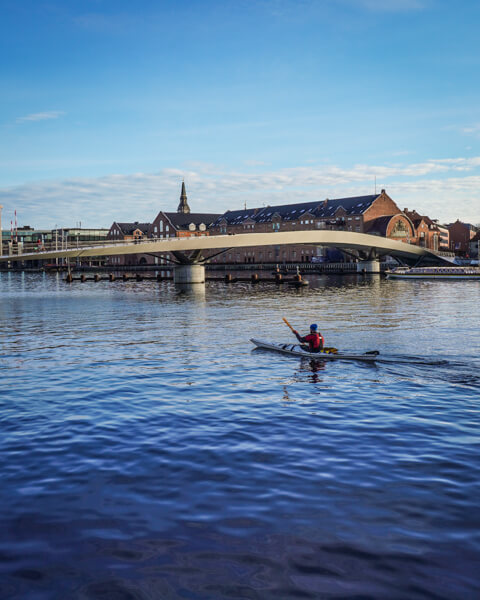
(106, 105)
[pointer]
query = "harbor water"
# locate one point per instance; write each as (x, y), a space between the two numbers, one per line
(148, 451)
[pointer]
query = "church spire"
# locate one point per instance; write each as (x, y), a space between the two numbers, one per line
(183, 206)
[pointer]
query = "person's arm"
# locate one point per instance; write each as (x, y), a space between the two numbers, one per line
(298, 336)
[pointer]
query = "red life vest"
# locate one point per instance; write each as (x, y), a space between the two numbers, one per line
(313, 340)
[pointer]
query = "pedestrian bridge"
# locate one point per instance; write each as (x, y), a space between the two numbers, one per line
(188, 250)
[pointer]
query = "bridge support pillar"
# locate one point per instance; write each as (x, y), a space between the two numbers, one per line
(368, 266)
(189, 274)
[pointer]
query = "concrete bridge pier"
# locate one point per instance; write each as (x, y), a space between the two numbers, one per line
(189, 273)
(368, 262)
(368, 266)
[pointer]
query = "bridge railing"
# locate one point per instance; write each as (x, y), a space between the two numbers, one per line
(70, 244)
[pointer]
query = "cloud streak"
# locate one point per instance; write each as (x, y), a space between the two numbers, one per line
(41, 116)
(446, 189)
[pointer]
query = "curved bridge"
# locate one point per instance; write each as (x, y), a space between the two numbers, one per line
(188, 250)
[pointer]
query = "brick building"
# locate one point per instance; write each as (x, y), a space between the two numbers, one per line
(127, 232)
(182, 223)
(427, 232)
(475, 246)
(376, 213)
(460, 236)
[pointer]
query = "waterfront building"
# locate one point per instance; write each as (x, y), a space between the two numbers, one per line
(375, 214)
(475, 247)
(49, 239)
(27, 239)
(444, 237)
(460, 236)
(182, 223)
(427, 232)
(127, 232)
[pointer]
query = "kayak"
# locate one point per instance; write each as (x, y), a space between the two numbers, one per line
(297, 350)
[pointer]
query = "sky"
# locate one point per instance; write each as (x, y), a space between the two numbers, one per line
(106, 106)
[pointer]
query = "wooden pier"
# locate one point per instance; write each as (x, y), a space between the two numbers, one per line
(277, 278)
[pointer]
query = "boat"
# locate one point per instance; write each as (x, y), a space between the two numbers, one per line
(297, 350)
(445, 273)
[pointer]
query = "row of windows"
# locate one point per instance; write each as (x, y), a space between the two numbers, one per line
(276, 226)
(159, 229)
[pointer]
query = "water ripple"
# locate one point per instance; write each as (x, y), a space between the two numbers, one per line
(147, 452)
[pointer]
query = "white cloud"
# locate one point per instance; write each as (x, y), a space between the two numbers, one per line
(41, 116)
(446, 189)
(471, 129)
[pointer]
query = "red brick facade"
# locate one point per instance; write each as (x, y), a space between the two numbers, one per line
(460, 236)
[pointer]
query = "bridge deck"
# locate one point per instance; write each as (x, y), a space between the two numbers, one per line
(339, 239)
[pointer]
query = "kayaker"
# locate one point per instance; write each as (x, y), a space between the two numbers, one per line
(314, 339)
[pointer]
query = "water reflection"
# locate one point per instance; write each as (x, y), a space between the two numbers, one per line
(313, 367)
(195, 291)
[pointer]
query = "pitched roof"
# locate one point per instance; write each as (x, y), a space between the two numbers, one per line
(378, 226)
(415, 217)
(290, 212)
(129, 228)
(181, 221)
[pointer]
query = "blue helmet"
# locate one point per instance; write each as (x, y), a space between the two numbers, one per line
(313, 327)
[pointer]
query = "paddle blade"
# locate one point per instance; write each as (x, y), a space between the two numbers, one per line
(330, 350)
